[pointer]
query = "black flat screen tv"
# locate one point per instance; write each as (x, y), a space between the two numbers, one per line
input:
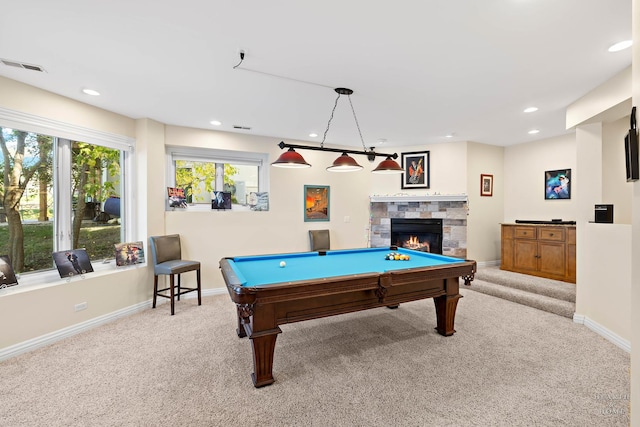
(631, 153)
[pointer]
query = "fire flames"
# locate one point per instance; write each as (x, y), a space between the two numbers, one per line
(414, 243)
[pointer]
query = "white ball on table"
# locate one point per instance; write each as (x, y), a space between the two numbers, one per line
(283, 264)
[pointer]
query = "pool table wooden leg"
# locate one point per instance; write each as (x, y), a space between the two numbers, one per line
(446, 313)
(263, 344)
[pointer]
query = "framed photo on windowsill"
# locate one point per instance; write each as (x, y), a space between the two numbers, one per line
(486, 185)
(416, 169)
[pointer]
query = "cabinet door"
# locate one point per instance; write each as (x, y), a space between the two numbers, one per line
(506, 256)
(552, 258)
(525, 254)
(571, 254)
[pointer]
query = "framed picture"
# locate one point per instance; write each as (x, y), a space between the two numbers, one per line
(72, 262)
(486, 185)
(220, 200)
(316, 203)
(7, 275)
(176, 197)
(416, 169)
(129, 253)
(557, 184)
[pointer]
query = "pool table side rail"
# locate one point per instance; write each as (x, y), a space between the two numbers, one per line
(303, 289)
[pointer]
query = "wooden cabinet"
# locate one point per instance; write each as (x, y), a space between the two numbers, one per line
(540, 250)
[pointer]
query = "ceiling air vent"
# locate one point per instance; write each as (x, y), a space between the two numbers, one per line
(17, 64)
(241, 127)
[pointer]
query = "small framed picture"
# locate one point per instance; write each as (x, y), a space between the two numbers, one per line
(316, 203)
(416, 169)
(557, 184)
(129, 253)
(486, 185)
(72, 262)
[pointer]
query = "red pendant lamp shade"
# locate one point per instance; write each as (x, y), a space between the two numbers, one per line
(291, 159)
(389, 166)
(344, 163)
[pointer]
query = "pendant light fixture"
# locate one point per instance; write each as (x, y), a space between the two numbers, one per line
(291, 159)
(344, 163)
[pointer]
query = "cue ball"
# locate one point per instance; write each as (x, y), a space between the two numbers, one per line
(282, 263)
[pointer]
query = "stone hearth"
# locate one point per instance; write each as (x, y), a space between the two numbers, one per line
(453, 213)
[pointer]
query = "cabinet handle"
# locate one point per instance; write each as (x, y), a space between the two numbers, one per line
(551, 234)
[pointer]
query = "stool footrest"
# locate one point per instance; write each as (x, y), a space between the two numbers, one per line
(183, 291)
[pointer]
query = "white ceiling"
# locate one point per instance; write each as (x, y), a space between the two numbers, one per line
(419, 69)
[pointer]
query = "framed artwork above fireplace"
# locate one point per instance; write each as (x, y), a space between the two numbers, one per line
(416, 169)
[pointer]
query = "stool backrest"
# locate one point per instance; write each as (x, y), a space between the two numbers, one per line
(319, 240)
(165, 248)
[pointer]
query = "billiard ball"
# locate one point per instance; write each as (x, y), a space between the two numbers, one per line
(283, 264)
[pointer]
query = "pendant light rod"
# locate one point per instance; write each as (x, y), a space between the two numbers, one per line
(371, 155)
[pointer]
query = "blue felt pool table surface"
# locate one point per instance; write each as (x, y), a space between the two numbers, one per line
(265, 269)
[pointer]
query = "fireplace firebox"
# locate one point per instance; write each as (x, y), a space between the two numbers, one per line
(421, 234)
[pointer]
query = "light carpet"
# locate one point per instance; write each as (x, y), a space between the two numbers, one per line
(507, 365)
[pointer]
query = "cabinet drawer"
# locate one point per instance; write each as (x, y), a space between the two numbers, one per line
(525, 233)
(556, 234)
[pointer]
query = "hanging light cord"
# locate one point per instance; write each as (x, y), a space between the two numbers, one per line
(357, 124)
(329, 122)
(324, 137)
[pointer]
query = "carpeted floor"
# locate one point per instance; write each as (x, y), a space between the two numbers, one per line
(549, 295)
(507, 365)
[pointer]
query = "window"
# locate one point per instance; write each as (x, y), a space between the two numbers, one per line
(55, 191)
(201, 172)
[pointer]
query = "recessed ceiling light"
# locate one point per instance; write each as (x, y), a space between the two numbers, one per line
(91, 92)
(449, 135)
(533, 131)
(215, 122)
(530, 109)
(620, 46)
(313, 135)
(382, 141)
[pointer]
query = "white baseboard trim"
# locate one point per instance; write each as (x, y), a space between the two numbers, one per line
(603, 332)
(50, 338)
(488, 263)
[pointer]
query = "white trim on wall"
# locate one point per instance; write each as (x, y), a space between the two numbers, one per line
(59, 335)
(603, 332)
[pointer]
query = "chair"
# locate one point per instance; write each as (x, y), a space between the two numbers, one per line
(319, 240)
(167, 259)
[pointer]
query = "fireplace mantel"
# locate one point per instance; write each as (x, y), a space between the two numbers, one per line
(418, 198)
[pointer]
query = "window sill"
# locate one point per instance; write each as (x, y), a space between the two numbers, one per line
(207, 208)
(39, 280)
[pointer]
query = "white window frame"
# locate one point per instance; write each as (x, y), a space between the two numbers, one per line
(212, 155)
(63, 133)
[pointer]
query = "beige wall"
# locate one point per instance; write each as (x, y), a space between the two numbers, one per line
(615, 189)
(524, 168)
(448, 173)
(635, 233)
(485, 213)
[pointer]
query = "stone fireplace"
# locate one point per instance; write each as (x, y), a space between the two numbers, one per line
(451, 210)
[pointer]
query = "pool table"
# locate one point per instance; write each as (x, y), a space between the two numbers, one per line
(310, 285)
